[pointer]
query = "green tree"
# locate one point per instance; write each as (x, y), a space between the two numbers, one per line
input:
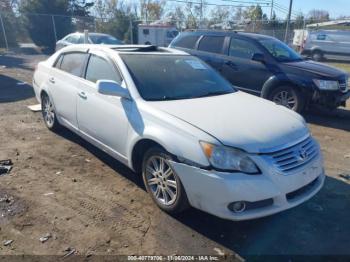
(9, 20)
(117, 18)
(39, 22)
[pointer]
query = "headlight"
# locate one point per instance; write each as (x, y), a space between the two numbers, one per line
(326, 84)
(226, 158)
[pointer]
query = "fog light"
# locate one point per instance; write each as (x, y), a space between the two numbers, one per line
(238, 206)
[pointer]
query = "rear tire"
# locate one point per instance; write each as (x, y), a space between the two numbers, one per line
(48, 113)
(289, 97)
(317, 55)
(162, 183)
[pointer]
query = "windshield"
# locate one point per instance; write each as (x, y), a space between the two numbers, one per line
(171, 77)
(105, 39)
(280, 51)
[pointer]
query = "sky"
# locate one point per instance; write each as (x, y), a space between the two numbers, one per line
(334, 7)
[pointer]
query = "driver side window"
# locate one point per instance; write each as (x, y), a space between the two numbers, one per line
(242, 48)
(100, 69)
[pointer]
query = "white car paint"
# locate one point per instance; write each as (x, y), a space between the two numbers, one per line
(239, 120)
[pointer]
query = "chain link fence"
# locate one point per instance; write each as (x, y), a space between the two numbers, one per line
(40, 32)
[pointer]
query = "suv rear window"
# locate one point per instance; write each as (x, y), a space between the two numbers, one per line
(212, 44)
(188, 41)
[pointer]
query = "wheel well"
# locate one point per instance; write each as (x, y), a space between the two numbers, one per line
(267, 91)
(43, 92)
(316, 50)
(138, 152)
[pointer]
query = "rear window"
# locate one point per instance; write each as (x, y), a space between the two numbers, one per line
(188, 41)
(212, 44)
(73, 39)
(73, 63)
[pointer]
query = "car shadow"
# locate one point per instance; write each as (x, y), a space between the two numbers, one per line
(103, 156)
(12, 90)
(338, 119)
(12, 61)
(318, 227)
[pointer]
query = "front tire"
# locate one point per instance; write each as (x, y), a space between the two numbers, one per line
(48, 113)
(289, 97)
(162, 183)
(317, 55)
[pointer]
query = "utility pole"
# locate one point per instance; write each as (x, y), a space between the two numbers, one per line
(272, 2)
(288, 21)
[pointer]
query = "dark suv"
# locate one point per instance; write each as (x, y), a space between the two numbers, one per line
(265, 66)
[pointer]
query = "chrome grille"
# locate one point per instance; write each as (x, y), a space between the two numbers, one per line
(295, 157)
(343, 85)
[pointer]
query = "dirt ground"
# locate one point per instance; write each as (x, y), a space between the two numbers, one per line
(90, 203)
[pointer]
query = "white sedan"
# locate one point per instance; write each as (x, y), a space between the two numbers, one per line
(195, 139)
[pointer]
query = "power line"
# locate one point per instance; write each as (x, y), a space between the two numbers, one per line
(210, 4)
(284, 8)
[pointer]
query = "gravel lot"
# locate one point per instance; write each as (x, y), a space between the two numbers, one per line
(89, 202)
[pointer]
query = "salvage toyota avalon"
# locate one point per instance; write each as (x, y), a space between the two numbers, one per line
(195, 139)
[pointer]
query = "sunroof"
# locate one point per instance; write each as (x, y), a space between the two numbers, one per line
(148, 48)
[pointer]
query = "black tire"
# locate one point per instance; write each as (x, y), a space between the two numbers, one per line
(180, 202)
(317, 55)
(289, 93)
(49, 115)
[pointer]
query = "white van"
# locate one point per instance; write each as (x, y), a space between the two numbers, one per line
(158, 34)
(321, 43)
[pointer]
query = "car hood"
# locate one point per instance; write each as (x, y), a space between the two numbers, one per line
(316, 68)
(240, 120)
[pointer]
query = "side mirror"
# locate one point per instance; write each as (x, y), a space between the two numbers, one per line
(258, 57)
(111, 88)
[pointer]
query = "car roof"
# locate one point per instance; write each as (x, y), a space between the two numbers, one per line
(90, 33)
(227, 33)
(124, 49)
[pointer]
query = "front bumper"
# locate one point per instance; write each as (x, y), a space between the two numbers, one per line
(331, 98)
(213, 191)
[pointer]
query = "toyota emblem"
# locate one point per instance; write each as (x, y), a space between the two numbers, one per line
(303, 154)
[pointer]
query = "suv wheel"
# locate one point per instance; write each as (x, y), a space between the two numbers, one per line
(162, 183)
(48, 113)
(317, 55)
(289, 97)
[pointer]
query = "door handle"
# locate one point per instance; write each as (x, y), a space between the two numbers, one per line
(52, 80)
(231, 64)
(82, 95)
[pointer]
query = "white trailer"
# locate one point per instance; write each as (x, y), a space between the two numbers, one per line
(160, 35)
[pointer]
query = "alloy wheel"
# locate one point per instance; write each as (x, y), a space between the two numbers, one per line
(161, 180)
(48, 112)
(285, 98)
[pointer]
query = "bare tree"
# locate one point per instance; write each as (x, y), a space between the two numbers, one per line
(152, 9)
(318, 15)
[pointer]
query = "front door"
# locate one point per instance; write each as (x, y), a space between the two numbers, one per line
(241, 70)
(103, 118)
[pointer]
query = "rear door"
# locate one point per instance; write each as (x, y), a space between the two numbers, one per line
(103, 118)
(210, 49)
(64, 80)
(241, 70)
(343, 42)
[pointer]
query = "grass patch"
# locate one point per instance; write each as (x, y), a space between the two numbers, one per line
(343, 66)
